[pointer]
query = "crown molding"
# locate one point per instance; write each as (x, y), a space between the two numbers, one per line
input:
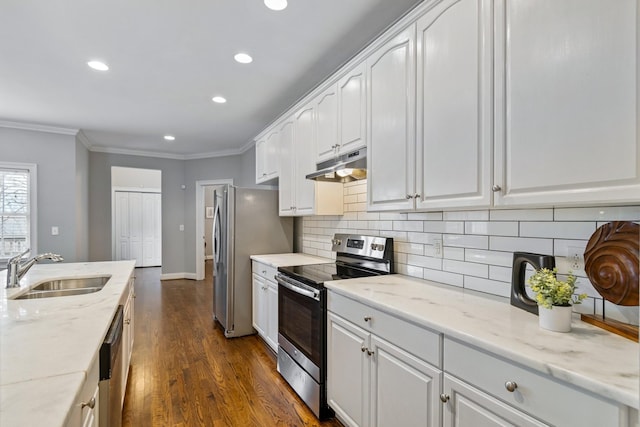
(38, 128)
(84, 140)
(128, 152)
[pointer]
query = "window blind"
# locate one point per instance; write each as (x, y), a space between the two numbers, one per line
(15, 211)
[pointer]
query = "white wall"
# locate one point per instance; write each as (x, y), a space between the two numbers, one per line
(478, 245)
(61, 187)
(145, 179)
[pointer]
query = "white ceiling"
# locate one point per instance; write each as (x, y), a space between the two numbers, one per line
(167, 59)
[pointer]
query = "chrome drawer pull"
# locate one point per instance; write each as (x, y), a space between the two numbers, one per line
(367, 318)
(91, 404)
(444, 398)
(511, 386)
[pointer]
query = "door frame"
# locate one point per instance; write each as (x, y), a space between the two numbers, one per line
(200, 186)
(115, 190)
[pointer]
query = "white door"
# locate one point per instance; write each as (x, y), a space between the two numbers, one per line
(287, 160)
(259, 305)
(327, 124)
(122, 226)
(138, 228)
(151, 230)
(304, 144)
(352, 110)
(391, 124)
(347, 371)
(567, 94)
(417, 385)
(135, 228)
(454, 105)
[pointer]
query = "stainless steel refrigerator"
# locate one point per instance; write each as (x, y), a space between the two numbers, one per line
(245, 223)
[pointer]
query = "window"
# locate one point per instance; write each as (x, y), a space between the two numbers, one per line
(17, 208)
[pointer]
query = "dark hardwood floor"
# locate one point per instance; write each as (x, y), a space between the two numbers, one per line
(184, 372)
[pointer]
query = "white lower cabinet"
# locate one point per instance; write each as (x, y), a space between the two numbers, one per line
(85, 411)
(373, 381)
(127, 336)
(265, 303)
(483, 389)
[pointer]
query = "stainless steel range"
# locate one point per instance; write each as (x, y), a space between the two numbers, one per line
(302, 312)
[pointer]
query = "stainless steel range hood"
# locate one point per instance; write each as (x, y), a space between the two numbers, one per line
(345, 168)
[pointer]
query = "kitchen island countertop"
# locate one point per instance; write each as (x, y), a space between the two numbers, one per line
(47, 345)
(588, 357)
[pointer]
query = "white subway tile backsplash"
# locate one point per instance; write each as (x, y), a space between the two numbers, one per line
(606, 214)
(444, 227)
(504, 259)
(453, 279)
(502, 274)
(466, 268)
(487, 286)
(408, 225)
(453, 253)
(522, 215)
(496, 228)
(478, 246)
(466, 216)
(558, 230)
(424, 261)
(475, 242)
(425, 216)
(521, 244)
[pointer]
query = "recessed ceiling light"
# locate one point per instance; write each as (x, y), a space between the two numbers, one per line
(243, 58)
(275, 4)
(170, 137)
(97, 65)
(218, 100)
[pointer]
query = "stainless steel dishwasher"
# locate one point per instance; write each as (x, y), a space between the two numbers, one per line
(110, 404)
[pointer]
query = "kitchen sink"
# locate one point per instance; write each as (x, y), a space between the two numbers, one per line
(66, 287)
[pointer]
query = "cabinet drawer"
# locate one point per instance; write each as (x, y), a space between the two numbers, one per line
(264, 270)
(421, 342)
(544, 397)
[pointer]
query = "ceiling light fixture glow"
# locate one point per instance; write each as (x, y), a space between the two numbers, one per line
(243, 58)
(218, 99)
(97, 65)
(275, 4)
(169, 137)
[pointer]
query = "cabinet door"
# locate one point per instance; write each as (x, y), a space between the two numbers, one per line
(347, 371)
(261, 160)
(272, 313)
(327, 124)
(415, 384)
(285, 193)
(352, 110)
(127, 341)
(566, 102)
(454, 105)
(272, 164)
(259, 305)
(469, 407)
(391, 124)
(304, 145)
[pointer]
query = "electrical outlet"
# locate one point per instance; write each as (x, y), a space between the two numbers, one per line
(575, 256)
(437, 248)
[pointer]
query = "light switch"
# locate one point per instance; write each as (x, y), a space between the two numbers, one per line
(54, 231)
(181, 227)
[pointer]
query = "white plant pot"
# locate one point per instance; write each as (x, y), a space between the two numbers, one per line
(556, 318)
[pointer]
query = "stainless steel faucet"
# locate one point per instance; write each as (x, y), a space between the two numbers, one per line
(16, 269)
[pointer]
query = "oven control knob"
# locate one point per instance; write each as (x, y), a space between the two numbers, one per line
(377, 247)
(336, 242)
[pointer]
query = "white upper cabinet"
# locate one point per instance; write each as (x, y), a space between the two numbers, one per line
(566, 129)
(391, 123)
(287, 160)
(454, 105)
(267, 156)
(303, 138)
(352, 110)
(327, 123)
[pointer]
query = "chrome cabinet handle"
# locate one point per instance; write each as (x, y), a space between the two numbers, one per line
(127, 321)
(363, 349)
(416, 196)
(367, 318)
(444, 398)
(511, 386)
(409, 196)
(370, 352)
(496, 188)
(91, 404)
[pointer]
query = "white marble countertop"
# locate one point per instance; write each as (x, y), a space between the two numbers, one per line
(47, 345)
(588, 357)
(283, 260)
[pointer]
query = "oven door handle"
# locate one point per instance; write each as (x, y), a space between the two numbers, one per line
(297, 289)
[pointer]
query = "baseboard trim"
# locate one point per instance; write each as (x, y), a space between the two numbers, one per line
(177, 276)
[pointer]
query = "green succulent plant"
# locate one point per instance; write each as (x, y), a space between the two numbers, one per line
(550, 291)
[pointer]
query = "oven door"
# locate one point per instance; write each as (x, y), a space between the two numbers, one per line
(301, 324)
